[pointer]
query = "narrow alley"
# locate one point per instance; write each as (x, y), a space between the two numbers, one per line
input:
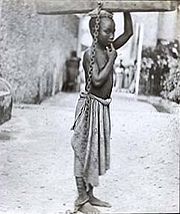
(36, 160)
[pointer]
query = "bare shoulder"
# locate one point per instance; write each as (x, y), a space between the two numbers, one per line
(87, 54)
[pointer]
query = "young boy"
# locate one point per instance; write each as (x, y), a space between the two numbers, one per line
(91, 138)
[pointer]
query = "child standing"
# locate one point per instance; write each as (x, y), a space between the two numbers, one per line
(91, 138)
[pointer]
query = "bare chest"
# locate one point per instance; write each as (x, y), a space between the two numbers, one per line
(101, 59)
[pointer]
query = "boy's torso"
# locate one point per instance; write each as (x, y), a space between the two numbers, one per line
(105, 90)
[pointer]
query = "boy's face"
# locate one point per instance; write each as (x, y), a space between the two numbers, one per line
(106, 31)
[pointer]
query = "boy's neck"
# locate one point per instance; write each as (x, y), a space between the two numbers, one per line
(100, 47)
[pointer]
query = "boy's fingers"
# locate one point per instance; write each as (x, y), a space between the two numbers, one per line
(109, 49)
(112, 46)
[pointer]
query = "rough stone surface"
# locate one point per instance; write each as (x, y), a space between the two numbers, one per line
(33, 49)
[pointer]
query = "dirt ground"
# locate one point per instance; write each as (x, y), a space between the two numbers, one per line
(36, 159)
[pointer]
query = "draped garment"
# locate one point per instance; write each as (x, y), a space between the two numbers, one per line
(91, 139)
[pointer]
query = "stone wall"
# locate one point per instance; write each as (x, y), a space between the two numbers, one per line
(33, 49)
(167, 26)
(178, 24)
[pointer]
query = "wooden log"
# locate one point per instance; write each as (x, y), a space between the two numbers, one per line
(53, 7)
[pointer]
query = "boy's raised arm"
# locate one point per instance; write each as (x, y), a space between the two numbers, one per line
(128, 32)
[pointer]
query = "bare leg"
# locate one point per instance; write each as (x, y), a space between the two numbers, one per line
(95, 201)
(82, 202)
(82, 195)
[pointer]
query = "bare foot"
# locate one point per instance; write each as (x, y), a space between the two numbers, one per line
(97, 202)
(87, 208)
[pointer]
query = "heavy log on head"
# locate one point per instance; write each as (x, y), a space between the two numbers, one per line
(83, 6)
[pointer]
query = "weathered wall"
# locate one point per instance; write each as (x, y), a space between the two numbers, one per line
(167, 25)
(178, 24)
(150, 22)
(33, 49)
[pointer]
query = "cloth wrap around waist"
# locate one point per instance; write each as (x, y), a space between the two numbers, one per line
(91, 144)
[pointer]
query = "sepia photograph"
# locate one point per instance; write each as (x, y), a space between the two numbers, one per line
(89, 106)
